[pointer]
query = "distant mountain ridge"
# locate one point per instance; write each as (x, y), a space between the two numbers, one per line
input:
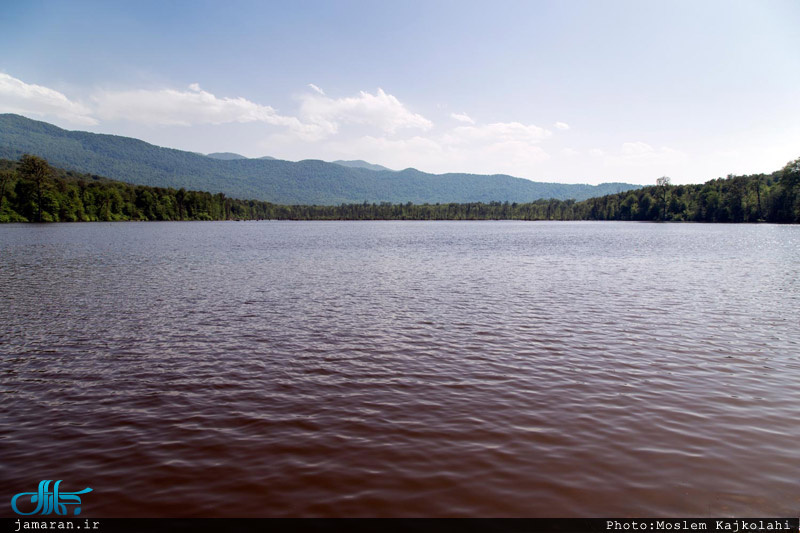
(225, 156)
(285, 182)
(358, 163)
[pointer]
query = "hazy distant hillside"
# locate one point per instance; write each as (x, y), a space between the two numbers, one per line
(358, 163)
(226, 156)
(230, 156)
(286, 182)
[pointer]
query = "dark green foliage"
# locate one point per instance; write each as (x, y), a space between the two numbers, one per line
(69, 196)
(787, 205)
(303, 182)
(36, 171)
(755, 198)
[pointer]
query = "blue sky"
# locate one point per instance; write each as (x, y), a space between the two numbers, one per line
(571, 91)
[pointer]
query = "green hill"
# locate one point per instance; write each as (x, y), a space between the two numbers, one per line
(304, 182)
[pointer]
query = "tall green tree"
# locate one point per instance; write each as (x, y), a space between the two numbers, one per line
(39, 172)
(790, 182)
(5, 177)
(662, 184)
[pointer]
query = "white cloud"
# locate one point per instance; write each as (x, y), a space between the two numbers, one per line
(170, 107)
(379, 126)
(569, 152)
(642, 154)
(639, 154)
(561, 125)
(636, 148)
(510, 148)
(462, 117)
(498, 132)
(183, 108)
(16, 96)
(416, 151)
(319, 115)
(380, 110)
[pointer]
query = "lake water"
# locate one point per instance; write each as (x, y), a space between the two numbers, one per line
(356, 369)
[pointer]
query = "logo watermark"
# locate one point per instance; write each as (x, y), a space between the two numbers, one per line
(46, 501)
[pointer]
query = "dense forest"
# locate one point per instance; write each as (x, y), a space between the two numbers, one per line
(753, 198)
(31, 191)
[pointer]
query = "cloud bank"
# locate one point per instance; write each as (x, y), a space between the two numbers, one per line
(22, 98)
(170, 107)
(380, 110)
(368, 125)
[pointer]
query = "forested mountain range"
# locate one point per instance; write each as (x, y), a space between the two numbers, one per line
(358, 163)
(30, 190)
(285, 182)
(225, 156)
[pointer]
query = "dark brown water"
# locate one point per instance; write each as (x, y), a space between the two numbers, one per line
(402, 369)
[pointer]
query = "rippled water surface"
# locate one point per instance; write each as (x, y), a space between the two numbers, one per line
(403, 368)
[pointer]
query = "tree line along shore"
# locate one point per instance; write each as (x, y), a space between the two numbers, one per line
(32, 191)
